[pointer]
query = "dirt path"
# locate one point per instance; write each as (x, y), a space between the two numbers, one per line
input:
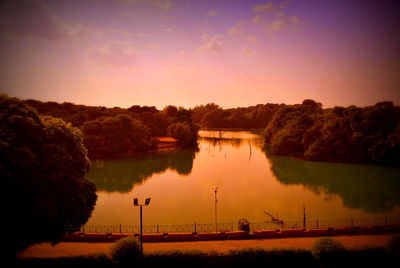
(70, 249)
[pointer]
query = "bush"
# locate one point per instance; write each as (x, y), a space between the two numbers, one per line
(393, 246)
(126, 252)
(326, 247)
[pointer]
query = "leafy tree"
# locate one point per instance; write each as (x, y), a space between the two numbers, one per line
(182, 133)
(115, 136)
(43, 166)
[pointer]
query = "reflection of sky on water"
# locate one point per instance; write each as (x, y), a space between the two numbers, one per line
(180, 185)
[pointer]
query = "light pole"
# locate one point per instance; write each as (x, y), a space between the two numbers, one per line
(215, 196)
(136, 203)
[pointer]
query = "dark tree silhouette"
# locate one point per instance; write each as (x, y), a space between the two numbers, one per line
(43, 164)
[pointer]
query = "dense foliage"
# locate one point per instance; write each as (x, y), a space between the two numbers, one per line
(213, 116)
(43, 164)
(111, 132)
(356, 135)
(115, 136)
(183, 129)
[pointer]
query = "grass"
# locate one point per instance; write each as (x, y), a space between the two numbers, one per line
(332, 256)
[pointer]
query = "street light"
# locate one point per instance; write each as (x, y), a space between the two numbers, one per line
(215, 195)
(136, 203)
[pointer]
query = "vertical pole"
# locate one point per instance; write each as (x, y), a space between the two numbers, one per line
(304, 216)
(216, 224)
(120, 228)
(195, 227)
(352, 224)
(317, 222)
(157, 228)
(141, 231)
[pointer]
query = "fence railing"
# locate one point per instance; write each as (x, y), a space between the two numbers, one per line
(227, 227)
(317, 223)
(195, 227)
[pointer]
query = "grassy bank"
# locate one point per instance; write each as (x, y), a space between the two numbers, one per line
(326, 252)
(244, 258)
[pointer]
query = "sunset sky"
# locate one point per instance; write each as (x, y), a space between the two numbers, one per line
(191, 52)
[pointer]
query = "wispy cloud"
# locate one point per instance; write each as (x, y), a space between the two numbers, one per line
(212, 13)
(211, 43)
(248, 51)
(279, 21)
(160, 4)
(113, 53)
(295, 20)
(267, 7)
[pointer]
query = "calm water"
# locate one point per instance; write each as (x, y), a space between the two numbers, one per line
(180, 184)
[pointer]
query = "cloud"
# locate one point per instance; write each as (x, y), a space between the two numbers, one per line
(257, 19)
(235, 30)
(267, 7)
(277, 25)
(295, 20)
(248, 51)
(113, 53)
(211, 43)
(30, 18)
(251, 38)
(160, 4)
(211, 13)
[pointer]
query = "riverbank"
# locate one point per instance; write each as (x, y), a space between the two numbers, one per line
(73, 249)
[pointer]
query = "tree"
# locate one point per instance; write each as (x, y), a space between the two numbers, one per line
(115, 136)
(183, 134)
(43, 167)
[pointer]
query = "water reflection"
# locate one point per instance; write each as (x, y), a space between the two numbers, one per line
(373, 189)
(121, 175)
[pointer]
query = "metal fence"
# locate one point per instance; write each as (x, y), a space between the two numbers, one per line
(183, 228)
(227, 227)
(317, 223)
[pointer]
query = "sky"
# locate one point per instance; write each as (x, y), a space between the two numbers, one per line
(234, 53)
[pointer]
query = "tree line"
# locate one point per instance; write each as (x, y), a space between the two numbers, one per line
(352, 135)
(340, 134)
(213, 116)
(116, 132)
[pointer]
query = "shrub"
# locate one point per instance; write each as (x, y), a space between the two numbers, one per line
(393, 246)
(326, 247)
(126, 252)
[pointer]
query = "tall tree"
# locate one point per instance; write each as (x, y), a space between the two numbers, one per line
(43, 166)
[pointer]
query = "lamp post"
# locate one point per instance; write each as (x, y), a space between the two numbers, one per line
(136, 203)
(215, 196)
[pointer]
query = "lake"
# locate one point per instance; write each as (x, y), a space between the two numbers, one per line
(249, 180)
